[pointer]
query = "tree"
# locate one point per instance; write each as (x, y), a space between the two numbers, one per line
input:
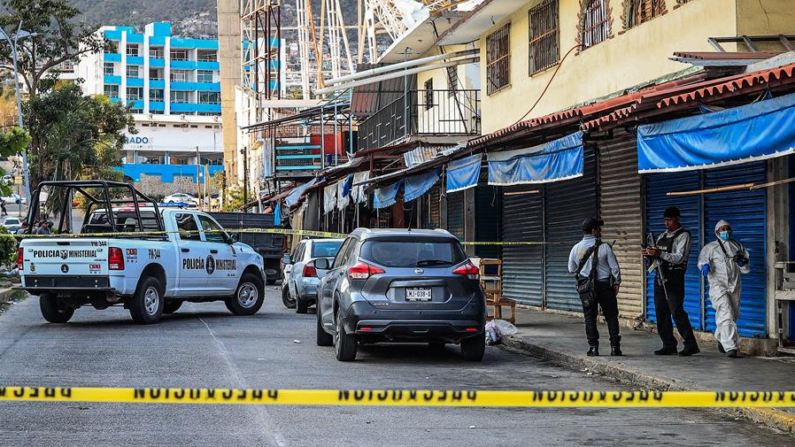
(12, 143)
(55, 39)
(75, 136)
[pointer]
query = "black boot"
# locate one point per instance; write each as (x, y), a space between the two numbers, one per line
(593, 351)
(615, 350)
(666, 350)
(720, 348)
(689, 350)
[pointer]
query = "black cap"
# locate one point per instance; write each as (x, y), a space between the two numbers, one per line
(590, 223)
(672, 211)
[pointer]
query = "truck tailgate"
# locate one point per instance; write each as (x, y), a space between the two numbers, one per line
(65, 257)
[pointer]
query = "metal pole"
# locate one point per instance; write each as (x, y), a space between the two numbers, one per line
(19, 107)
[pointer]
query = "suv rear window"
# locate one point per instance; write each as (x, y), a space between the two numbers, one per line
(327, 249)
(413, 253)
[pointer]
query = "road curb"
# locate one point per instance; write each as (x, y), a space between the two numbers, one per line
(5, 294)
(780, 420)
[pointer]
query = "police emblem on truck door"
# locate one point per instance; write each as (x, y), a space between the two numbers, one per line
(210, 265)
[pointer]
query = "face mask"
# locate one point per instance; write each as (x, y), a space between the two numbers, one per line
(725, 235)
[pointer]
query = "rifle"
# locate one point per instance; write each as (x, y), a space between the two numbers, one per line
(655, 264)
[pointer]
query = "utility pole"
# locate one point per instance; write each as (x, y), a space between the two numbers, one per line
(244, 151)
(198, 177)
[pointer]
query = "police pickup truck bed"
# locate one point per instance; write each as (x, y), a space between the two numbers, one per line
(150, 265)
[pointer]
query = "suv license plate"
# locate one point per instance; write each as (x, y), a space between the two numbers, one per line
(418, 294)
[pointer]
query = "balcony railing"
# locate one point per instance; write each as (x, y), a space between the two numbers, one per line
(422, 113)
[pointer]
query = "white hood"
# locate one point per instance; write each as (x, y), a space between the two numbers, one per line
(721, 223)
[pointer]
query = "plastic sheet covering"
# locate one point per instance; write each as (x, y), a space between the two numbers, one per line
(329, 198)
(357, 190)
(561, 159)
(294, 196)
(463, 174)
(344, 191)
(386, 195)
(758, 131)
(417, 185)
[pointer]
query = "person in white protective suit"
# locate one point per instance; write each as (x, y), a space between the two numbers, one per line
(722, 262)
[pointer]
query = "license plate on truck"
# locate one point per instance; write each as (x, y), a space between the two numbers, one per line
(418, 294)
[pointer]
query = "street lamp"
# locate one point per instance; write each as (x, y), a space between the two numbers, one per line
(20, 34)
(244, 152)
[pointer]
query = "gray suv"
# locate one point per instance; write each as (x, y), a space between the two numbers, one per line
(395, 285)
(301, 275)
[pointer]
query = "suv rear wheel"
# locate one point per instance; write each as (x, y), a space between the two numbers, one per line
(249, 296)
(344, 343)
(53, 310)
(323, 337)
(473, 348)
(146, 306)
(289, 302)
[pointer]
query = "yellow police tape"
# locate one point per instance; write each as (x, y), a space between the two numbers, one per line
(300, 233)
(406, 398)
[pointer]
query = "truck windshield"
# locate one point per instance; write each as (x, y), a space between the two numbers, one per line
(325, 249)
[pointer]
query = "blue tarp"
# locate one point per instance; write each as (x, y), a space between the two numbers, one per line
(277, 214)
(463, 174)
(417, 185)
(561, 159)
(292, 199)
(757, 131)
(386, 195)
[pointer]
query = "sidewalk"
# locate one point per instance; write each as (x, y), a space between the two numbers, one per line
(561, 339)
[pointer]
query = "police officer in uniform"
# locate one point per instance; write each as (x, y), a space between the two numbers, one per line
(608, 280)
(672, 250)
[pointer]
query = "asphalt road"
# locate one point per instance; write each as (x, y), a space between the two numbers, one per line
(205, 346)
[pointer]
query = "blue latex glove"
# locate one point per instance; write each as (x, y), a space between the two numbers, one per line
(741, 263)
(705, 270)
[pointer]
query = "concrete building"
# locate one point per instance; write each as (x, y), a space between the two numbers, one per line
(172, 86)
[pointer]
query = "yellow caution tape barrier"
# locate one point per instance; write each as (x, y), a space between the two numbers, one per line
(300, 233)
(406, 398)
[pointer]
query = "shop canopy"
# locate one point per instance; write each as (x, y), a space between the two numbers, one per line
(386, 195)
(417, 185)
(758, 131)
(561, 159)
(463, 174)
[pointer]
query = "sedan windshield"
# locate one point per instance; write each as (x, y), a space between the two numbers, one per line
(413, 253)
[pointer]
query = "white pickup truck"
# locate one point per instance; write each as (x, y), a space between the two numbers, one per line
(154, 261)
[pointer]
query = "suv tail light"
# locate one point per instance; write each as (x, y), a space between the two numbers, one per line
(115, 259)
(309, 269)
(469, 270)
(20, 258)
(363, 270)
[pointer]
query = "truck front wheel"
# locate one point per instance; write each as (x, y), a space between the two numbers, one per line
(146, 306)
(248, 297)
(53, 310)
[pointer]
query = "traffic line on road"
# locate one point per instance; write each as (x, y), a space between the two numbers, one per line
(408, 398)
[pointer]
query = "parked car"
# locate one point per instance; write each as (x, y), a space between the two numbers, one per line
(299, 288)
(16, 198)
(399, 285)
(182, 197)
(12, 224)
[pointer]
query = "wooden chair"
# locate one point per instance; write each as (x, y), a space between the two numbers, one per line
(491, 281)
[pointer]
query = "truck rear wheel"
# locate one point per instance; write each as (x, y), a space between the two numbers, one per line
(146, 306)
(53, 310)
(249, 296)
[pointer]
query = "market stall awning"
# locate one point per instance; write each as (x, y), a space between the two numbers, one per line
(358, 194)
(329, 198)
(464, 173)
(419, 184)
(386, 195)
(758, 131)
(557, 160)
(295, 195)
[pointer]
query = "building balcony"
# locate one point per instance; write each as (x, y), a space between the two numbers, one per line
(182, 65)
(111, 57)
(135, 60)
(155, 62)
(135, 82)
(157, 105)
(157, 83)
(112, 80)
(429, 114)
(166, 172)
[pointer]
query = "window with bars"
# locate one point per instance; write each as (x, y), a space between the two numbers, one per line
(132, 71)
(209, 98)
(179, 75)
(107, 69)
(180, 97)
(204, 76)
(640, 11)
(111, 91)
(135, 93)
(595, 26)
(544, 49)
(498, 59)
(132, 50)
(178, 55)
(156, 94)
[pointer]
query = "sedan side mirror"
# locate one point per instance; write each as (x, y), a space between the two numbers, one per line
(286, 259)
(322, 264)
(234, 237)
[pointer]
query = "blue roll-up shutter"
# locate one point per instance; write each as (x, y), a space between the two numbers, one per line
(745, 210)
(488, 210)
(523, 265)
(657, 186)
(455, 214)
(568, 203)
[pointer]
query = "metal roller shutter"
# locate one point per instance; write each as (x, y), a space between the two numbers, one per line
(568, 203)
(488, 202)
(455, 214)
(621, 208)
(745, 210)
(522, 265)
(657, 185)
